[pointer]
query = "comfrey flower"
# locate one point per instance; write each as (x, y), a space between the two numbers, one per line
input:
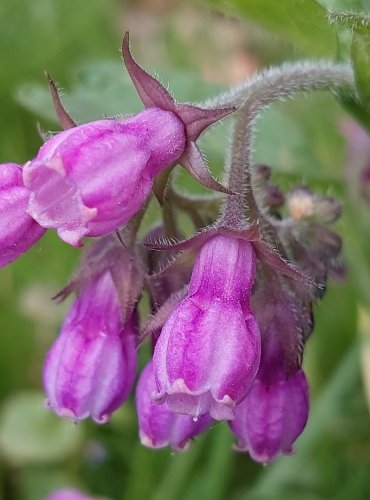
(91, 179)
(209, 350)
(159, 426)
(91, 367)
(274, 413)
(68, 494)
(18, 231)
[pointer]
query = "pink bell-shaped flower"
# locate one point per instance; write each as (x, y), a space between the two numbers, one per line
(160, 427)
(68, 494)
(91, 179)
(18, 231)
(274, 413)
(91, 367)
(209, 350)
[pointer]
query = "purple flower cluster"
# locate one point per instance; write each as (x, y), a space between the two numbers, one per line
(230, 315)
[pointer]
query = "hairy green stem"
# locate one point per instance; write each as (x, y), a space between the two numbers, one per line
(255, 96)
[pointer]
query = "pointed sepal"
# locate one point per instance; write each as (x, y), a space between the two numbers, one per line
(64, 117)
(272, 258)
(249, 233)
(196, 120)
(151, 92)
(194, 163)
(160, 185)
(157, 320)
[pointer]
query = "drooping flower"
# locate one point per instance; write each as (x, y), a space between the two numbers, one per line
(308, 239)
(91, 179)
(275, 411)
(209, 350)
(91, 367)
(18, 231)
(68, 494)
(160, 427)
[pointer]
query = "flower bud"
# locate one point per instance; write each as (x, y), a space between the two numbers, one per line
(304, 205)
(91, 179)
(160, 427)
(90, 369)
(209, 350)
(18, 231)
(274, 413)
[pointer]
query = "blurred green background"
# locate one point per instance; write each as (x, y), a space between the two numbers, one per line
(199, 48)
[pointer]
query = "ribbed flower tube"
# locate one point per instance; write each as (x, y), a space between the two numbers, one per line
(90, 369)
(209, 350)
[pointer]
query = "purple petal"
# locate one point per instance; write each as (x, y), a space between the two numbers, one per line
(158, 426)
(271, 417)
(18, 231)
(90, 369)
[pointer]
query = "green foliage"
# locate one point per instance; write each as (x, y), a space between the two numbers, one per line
(304, 23)
(29, 434)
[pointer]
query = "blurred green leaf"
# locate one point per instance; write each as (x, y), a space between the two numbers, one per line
(302, 137)
(361, 61)
(103, 88)
(354, 107)
(38, 482)
(29, 433)
(359, 26)
(303, 23)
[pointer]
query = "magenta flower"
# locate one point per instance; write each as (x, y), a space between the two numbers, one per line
(91, 179)
(91, 367)
(160, 427)
(209, 350)
(18, 231)
(274, 413)
(68, 494)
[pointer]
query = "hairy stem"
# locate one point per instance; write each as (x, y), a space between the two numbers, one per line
(255, 96)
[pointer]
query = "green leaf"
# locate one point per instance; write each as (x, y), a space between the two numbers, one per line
(359, 27)
(356, 109)
(361, 61)
(29, 433)
(303, 23)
